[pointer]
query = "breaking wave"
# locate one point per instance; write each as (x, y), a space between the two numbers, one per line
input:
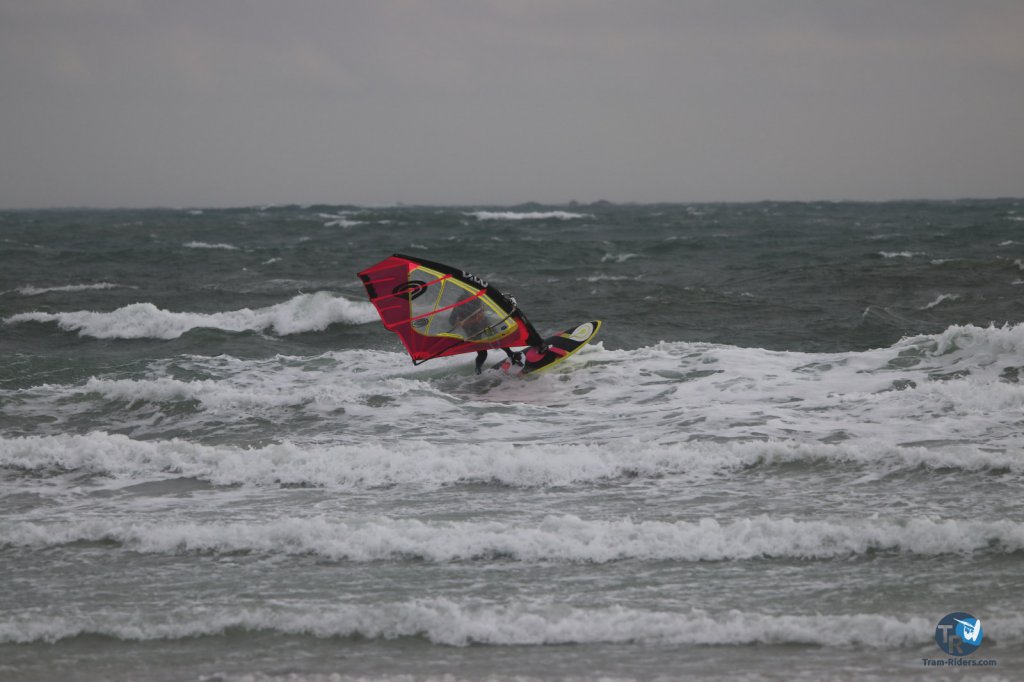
(339, 220)
(446, 622)
(900, 254)
(303, 313)
(939, 402)
(939, 300)
(532, 215)
(421, 463)
(205, 245)
(36, 291)
(555, 539)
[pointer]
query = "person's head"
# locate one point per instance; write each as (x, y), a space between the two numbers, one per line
(467, 312)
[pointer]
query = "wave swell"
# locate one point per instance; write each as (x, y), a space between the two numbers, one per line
(530, 215)
(443, 621)
(303, 313)
(29, 290)
(422, 463)
(555, 539)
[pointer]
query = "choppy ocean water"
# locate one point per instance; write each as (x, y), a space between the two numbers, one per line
(797, 444)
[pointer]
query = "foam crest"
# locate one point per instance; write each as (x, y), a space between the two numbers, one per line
(555, 539)
(347, 466)
(900, 254)
(206, 245)
(939, 401)
(214, 395)
(36, 291)
(303, 313)
(271, 388)
(530, 215)
(420, 462)
(980, 345)
(941, 298)
(952, 391)
(447, 622)
(338, 220)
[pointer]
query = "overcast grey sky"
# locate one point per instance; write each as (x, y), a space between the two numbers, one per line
(247, 102)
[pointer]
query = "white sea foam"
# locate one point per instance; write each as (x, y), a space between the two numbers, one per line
(531, 215)
(205, 245)
(339, 220)
(617, 257)
(607, 278)
(900, 254)
(979, 345)
(555, 539)
(944, 392)
(421, 463)
(303, 313)
(447, 622)
(213, 394)
(940, 299)
(946, 401)
(36, 291)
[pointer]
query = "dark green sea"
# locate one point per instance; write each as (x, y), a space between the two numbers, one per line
(796, 445)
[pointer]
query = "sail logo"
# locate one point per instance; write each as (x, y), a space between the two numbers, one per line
(582, 332)
(414, 288)
(959, 633)
(473, 278)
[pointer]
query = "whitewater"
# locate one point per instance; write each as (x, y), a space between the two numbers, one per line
(796, 446)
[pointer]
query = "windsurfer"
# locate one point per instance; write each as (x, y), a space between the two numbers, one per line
(470, 320)
(478, 316)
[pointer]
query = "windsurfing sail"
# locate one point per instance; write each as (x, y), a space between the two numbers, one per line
(438, 310)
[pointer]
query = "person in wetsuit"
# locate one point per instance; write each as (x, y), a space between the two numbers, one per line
(471, 322)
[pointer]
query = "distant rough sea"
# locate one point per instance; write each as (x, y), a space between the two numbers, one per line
(797, 444)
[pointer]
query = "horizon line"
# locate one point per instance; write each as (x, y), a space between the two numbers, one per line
(521, 204)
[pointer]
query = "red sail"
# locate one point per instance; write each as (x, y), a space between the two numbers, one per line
(437, 310)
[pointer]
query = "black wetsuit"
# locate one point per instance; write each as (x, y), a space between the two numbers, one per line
(533, 340)
(459, 316)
